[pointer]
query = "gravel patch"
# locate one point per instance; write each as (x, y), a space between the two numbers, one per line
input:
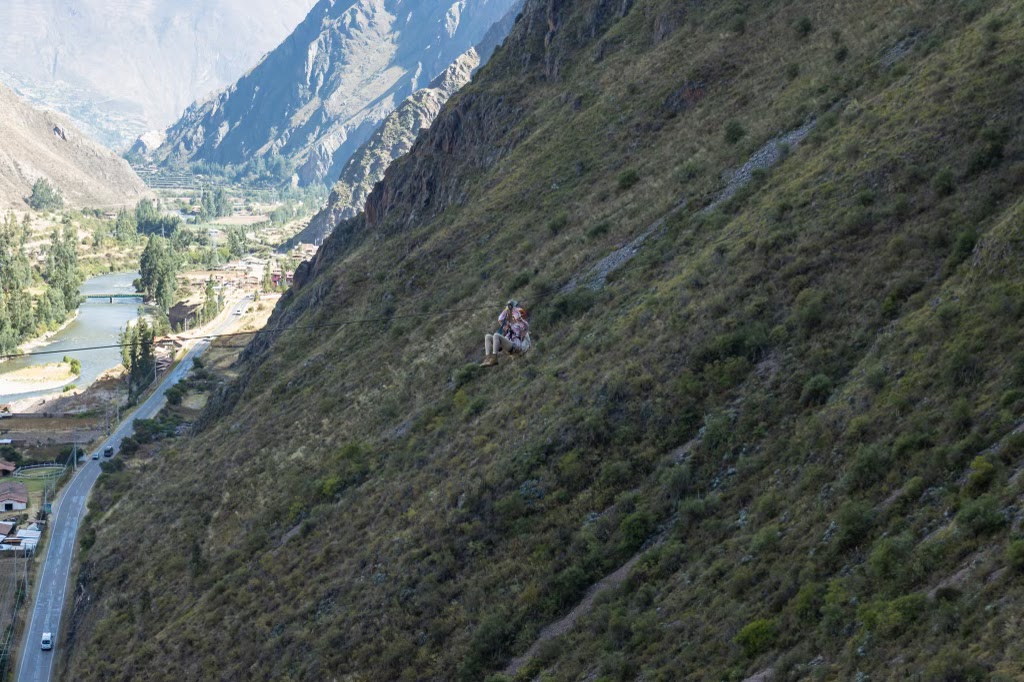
(597, 276)
(764, 158)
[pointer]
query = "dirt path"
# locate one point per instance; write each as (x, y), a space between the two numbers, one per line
(586, 605)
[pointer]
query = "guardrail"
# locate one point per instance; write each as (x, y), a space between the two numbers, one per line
(44, 465)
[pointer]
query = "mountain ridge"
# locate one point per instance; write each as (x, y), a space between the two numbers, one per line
(323, 91)
(120, 69)
(38, 144)
(397, 132)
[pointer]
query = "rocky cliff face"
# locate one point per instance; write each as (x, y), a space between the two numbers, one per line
(323, 92)
(120, 68)
(392, 138)
(396, 134)
(40, 144)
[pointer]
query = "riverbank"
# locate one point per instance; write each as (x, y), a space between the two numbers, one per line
(39, 341)
(108, 389)
(49, 377)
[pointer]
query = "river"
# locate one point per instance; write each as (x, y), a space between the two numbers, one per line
(98, 324)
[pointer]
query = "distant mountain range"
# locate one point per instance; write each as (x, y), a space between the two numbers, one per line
(396, 134)
(38, 144)
(324, 91)
(120, 68)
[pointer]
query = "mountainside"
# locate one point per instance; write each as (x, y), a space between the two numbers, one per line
(38, 144)
(317, 97)
(774, 412)
(122, 68)
(395, 135)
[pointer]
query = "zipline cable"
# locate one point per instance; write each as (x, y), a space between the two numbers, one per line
(256, 332)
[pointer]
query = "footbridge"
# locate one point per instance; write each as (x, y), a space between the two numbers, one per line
(114, 297)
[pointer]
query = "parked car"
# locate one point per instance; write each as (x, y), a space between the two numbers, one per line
(108, 451)
(47, 642)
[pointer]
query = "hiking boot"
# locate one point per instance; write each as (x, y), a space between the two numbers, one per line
(490, 360)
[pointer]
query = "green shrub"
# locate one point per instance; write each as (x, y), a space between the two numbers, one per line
(627, 179)
(599, 230)
(558, 223)
(954, 666)
(634, 530)
(981, 516)
(890, 561)
(816, 391)
(804, 27)
(490, 644)
(1015, 555)
(691, 511)
(964, 246)
(518, 282)
(129, 445)
(465, 374)
(808, 602)
(869, 465)
(567, 307)
(766, 539)
(757, 637)
(836, 611)
(565, 589)
(944, 182)
(734, 132)
(983, 472)
(853, 523)
(809, 310)
(891, 618)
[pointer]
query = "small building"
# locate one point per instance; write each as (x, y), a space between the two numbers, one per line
(13, 496)
(29, 537)
(6, 468)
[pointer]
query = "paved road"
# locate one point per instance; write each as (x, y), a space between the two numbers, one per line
(36, 665)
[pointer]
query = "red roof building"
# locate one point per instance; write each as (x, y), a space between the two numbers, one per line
(13, 496)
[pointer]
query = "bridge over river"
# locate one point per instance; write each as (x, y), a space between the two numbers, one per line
(111, 297)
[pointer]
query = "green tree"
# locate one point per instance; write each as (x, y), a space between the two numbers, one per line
(126, 227)
(149, 220)
(62, 271)
(268, 283)
(158, 272)
(222, 204)
(138, 356)
(238, 242)
(44, 196)
(210, 306)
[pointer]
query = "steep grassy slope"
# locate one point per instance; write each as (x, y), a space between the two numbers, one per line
(801, 407)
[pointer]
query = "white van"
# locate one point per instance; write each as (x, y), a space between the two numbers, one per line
(47, 643)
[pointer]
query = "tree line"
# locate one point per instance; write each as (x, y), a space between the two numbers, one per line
(22, 315)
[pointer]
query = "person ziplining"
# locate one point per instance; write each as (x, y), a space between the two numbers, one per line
(513, 336)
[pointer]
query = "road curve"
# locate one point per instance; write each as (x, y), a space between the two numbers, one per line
(34, 664)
